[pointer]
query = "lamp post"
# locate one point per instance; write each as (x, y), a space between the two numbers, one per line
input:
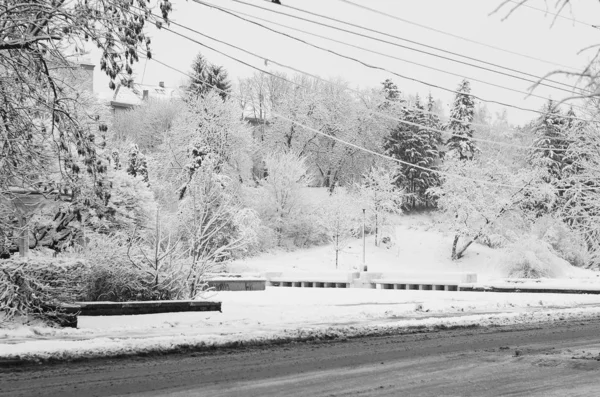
(364, 264)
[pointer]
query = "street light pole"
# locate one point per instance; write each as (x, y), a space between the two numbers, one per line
(364, 264)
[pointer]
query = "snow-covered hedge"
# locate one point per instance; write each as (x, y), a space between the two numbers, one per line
(33, 288)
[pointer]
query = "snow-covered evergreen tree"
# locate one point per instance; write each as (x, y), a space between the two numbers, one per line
(391, 91)
(208, 77)
(417, 145)
(459, 125)
(550, 131)
(432, 121)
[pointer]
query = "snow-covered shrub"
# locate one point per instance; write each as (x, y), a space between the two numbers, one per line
(303, 230)
(112, 276)
(35, 287)
(566, 243)
(532, 258)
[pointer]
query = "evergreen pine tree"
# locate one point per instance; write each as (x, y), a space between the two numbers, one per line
(433, 122)
(418, 146)
(208, 77)
(461, 117)
(550, 141)
(391, 94)
(390, 91)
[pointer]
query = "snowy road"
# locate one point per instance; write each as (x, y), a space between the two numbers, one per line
(543, 359)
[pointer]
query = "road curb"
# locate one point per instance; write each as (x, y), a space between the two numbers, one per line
(15, 362)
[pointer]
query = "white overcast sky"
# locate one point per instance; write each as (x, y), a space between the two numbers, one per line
(526, 31)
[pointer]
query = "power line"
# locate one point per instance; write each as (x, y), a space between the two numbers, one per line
(384, 115)
(346, 89)
(354, 145)
(374, 66)
(304, 73)
(458, 37)
(538, 82)
(390, 56)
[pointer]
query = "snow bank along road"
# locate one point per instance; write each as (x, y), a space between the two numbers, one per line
(529, 359)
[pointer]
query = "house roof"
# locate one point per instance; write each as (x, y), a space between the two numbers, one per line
(125, 97)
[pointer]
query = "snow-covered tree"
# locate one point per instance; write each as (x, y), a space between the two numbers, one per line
(50, 136)
(391, 93)
(207, 77)
(579, 187)
(551, 141)
(214, 224)
(341, 218)
(380, 196)
(479, 193)
(459, 124)
(287, 174)
(206, 125)
(417, 145)
(146, 125)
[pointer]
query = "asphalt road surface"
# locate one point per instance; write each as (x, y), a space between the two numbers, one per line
(560, 359)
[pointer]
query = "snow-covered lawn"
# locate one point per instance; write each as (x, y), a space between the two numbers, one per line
(289, 314)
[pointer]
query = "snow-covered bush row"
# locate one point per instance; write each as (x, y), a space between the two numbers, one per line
(33, 288)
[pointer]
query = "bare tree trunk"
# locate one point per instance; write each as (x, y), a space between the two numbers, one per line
(454, 244)
(460, 252)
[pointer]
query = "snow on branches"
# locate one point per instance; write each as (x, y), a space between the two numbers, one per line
(484, 192)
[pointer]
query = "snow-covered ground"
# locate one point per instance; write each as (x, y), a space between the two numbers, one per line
(419, 243)
(416, 245)
(290, 314)
(305, 313)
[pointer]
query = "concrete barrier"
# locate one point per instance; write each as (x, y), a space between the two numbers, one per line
(236, 284)
(427, 281)
(422, 281)
(311, 279)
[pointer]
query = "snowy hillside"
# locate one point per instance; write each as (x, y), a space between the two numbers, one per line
(417, 243)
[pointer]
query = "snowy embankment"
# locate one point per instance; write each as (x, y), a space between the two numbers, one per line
(286, 314)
